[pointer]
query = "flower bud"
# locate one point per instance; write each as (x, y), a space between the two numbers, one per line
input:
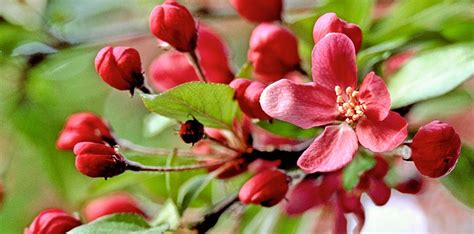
(259, 11)
(111, 204)
(273, 52)
(330, 23)
(95, 160)
(84, 127)
(267, 188)
(191, 131)
(411, 186)
(120, 67)
(173, 68)
(435, 149)
(248, 93)
(173, 23)
(52, 221)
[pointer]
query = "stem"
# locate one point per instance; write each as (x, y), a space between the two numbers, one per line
(128, 145)
(221, 143)
(144, 89)
(211, 218)
(197, 66)
(134, 166)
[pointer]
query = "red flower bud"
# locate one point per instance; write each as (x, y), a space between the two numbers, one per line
(191, 131)
(435, 149)
(173, 23)
(330, 23)
(95, 160)
(52, 221)
(259, 11)
(267, 188)
(115, 203)
(248, 93)
(173, 68)
(273, 52)
(120, 67)
(82, 127)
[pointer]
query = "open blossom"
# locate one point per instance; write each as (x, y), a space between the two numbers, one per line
(84, 127)
(98, 160)
(173, 68)
(52, 221)
(273, 52)
(330, 23)
(267, 188)
(259, 11)
(435, 149)
(352, 115)
(174, 24)
(120, 67)
(111, 204)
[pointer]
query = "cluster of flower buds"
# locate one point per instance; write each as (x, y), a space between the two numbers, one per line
(173, 23)
(84, 127)
(98, 160)
(330, 23)
(191, 131)
(247, 93)
(267, 188)
(273, 52)
(259, 11)
(121, 68)
(111, 204)
(173, 68)
(52, 221)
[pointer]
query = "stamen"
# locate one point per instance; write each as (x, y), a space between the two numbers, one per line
(338, 90)
(348, 104)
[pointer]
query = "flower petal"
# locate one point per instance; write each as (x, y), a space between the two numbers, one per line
(304, 105)
(333, 149)
(382, 136)
(334, 62)
(374, 93)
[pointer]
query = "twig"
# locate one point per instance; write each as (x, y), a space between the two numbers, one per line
(197, 66)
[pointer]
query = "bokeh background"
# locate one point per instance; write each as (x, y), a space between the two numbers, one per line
(47, 49)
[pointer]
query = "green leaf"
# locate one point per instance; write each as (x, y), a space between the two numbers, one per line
(191, 190)
(431, 74)
(212, 104)
(116, 223)
(353, 171)
(168, 215)
(33, 48)
(459, 181)
(245, 71)
(156, 124)
(367, 58)
(286, 129)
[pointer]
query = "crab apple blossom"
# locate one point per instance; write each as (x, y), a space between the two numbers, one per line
(52, 221)
(191, 131)
(247, 93)
(259, 11)
(435, 149)
(84, 127)
(111, 204)
(173, 23)
(173, 68)
(98, 160)
(267, 188)
(352, 115)
(330, 23)
(273, 52)
(120, 67)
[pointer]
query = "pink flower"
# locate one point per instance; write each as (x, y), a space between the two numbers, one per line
(352, 116)
(259, 11)
(435, 149)
(330, 23)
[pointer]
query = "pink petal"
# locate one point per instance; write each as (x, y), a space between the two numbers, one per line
(334, 62)
(333, 149)
(304, 105)
(374, 93)
(382, 136)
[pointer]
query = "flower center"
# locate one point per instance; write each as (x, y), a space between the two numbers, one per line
(349, 106)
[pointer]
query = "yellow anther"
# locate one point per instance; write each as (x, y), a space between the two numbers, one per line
(349, 91)
(346, 106)
(355, 117)
(341, 110)
(340, 100)
(338, 90)
(355, 94)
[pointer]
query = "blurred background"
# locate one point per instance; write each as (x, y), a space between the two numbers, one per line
(47, 49)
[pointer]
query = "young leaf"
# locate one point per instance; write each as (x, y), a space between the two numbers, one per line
(351, 174)
(168, 215)
(432, 74)
(457, 181)
(286, 129)
(191, 189)
(115, 223)
(211, 104)
(245, 71)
